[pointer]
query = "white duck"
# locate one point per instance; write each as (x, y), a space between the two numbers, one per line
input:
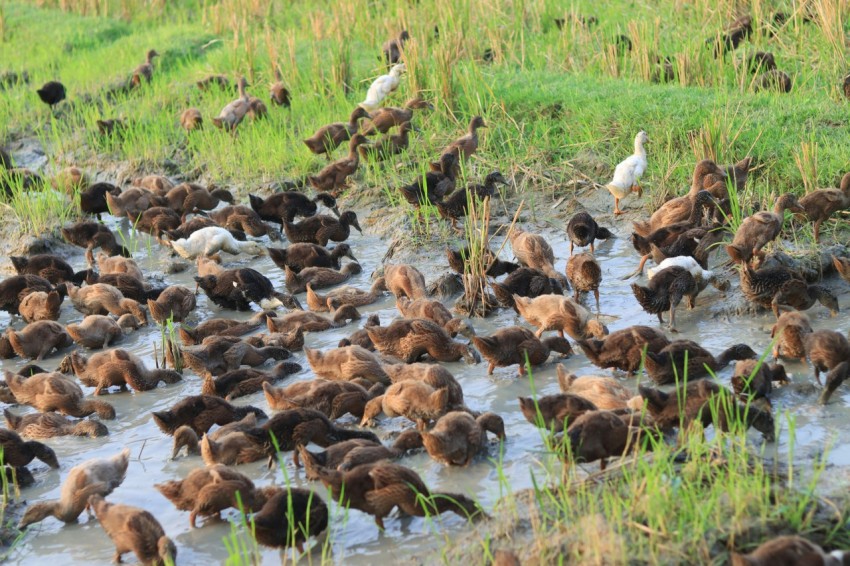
(211, 240)
(628, 173)
(703, 276)
(232, 114)
(382, 87)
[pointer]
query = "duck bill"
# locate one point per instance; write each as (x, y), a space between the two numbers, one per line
(335, 210)
(357, 225)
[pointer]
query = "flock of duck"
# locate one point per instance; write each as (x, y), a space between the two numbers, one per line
(393, 369)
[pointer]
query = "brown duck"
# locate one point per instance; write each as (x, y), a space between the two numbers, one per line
(556, 312)
(408, 340)
(458, 261)
(51, 425)
(554, 412)
(38, 339)
(134, 530)
(40, 305)
(320, 229)
(585, 275)
(200, 413)
(289, 518)
(132, 203)
(388, 145)
(303, 255)
(191, 119)
(458, 437)
(788, 549)
(607, 393)
(466, 145)
(385, 118)
(334, 176)
(347, 295)
(780, 288)
(415, 400)
(235, 111)
(48, 266)
(107, 264)
(328, 138)
(101, 298)
(518, 345)
(243, 219)
(623, 349)
(188, 198)
(404, 280)
(532, 250)
(753, 379)
(220, 327)
(393, 48)
(668, 365)
(115, 367)
(174, 304)
(184, 436)
(434, 375)
(14, 289)
(435, 311)
(219, 354)
(19, 453)
(761, 228)
(245, 381)
(821, 204)
(98, 476)
(351, 453)
(311, 322)
(598, 435)
(56, 392)
(319, 277)
(346, 363)
(825, 349)
(583, 230)
(525, 282)
(790, 332)
(278, 93)
(332, 398)
(665, 291)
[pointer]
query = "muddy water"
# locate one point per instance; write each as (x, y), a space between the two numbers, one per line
(357, 540)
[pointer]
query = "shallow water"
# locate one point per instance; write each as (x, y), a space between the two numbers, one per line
(357, 540)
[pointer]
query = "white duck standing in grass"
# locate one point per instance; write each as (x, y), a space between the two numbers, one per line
(628, 173)
(211, 240)
(382, 87)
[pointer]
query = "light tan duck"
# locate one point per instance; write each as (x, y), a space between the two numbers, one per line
(219, 354)
(191, 119)
(347, 363)
(434, 375)
(606, 393)
(516, 345)
(821, 204)
(385, 118)
(334, 176)
(51, 425)
(532, 250)
(40, 305)
(156, 184)
(761, 228)
(174, 304)
(209, 265)
(623, 349)
(554, 412)
(134, 530)
(186, 437)
(319, 277)
(346, 295)
(825, 349)
(220, 327)
(753, 379)
(789, 549)
(101, 298)
(790, 333)
(414, 400)
(230, 449)
(98, 476)
(434, 311)
(458, 437)
(245, 381)
(410, 339)
(332, 398)
(99, 331)
(56, 392)
(585, 275)
(234, 112)
(328, 138)
(311, 322)
(116, 367)
(556, 312)
(278, 93)
(38, 339)
(117, 264)
(405, 281)
(352, 453)
(466, 145)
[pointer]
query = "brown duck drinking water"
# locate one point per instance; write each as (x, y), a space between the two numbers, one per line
(347, 363)
(116, 367)
(134, 530)
(607, 393)
(417, 401)
(437, 312)
(40, 305)
(332, 398)
(200, 413)
(458, 437)
(532, 250)
(48, 266)
(56, 392)
(19, 453)
(408, 340)
(289, 518)
(319, 277)
(38, 339)
(51, 425)
(101, 298)
(525, 282)
(624, 348)
(790, 331)
(303, 255)
(347, 295)
(821, 204)
(668, 365)
(518, 345)
(556, 312)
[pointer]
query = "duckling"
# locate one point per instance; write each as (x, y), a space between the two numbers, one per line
(463, 147)
(385, 118)
(554, 412)
(434, 185)
(51, 425)
(526, 282)
(606, 393)
(598, 435)
(388, 145)
(18, 453)
(234, 112)
(40, 306)
(583, 230)
(243, 219)
(347, 363)
(220, 327)
(188, 198)
(328, 138)
(821, 204)
(825, 349)
(790, 331)
(278, 93)
(761, 228)
(98, 476)
(56, 392)
(701, 400)
(206, 492)
(48, 266)
(175, 303)
(780, 288)
(38, 339)
(665, 291)
(244, 381)
(842, 266)
(155, 184)
(145, 70)
(134, 530)
(435, 311)
(624, 348)
(628, 172)
(668, 364)
(404, 280)
(555, 312)
(320, 229)
(518, 345)
(532, 250)
(51, 93)
(238, 288)
(116, 367)
(184, 436)
(303, 255)
(101, 298)
(319, 277)
(409, 339)
(293, 428)
(90, 235)
(312, 322)
(219, 354)
(585, 275)
(788, 549)
(332, 398)
(773, 80)
(393, 48)
(209, 241)
(496, 267)
(458, 436)
(289, 518)
(346, 295)
(191, 119)
(200, 413)
(382, 87)
(753, 379)
(109, 126)
(289, 204)
(434, 375)
(108, 265)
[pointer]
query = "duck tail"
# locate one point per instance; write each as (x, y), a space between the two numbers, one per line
(647, 298)
(603, 233)
(342, 434)
(503, 295)
(241, 412)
